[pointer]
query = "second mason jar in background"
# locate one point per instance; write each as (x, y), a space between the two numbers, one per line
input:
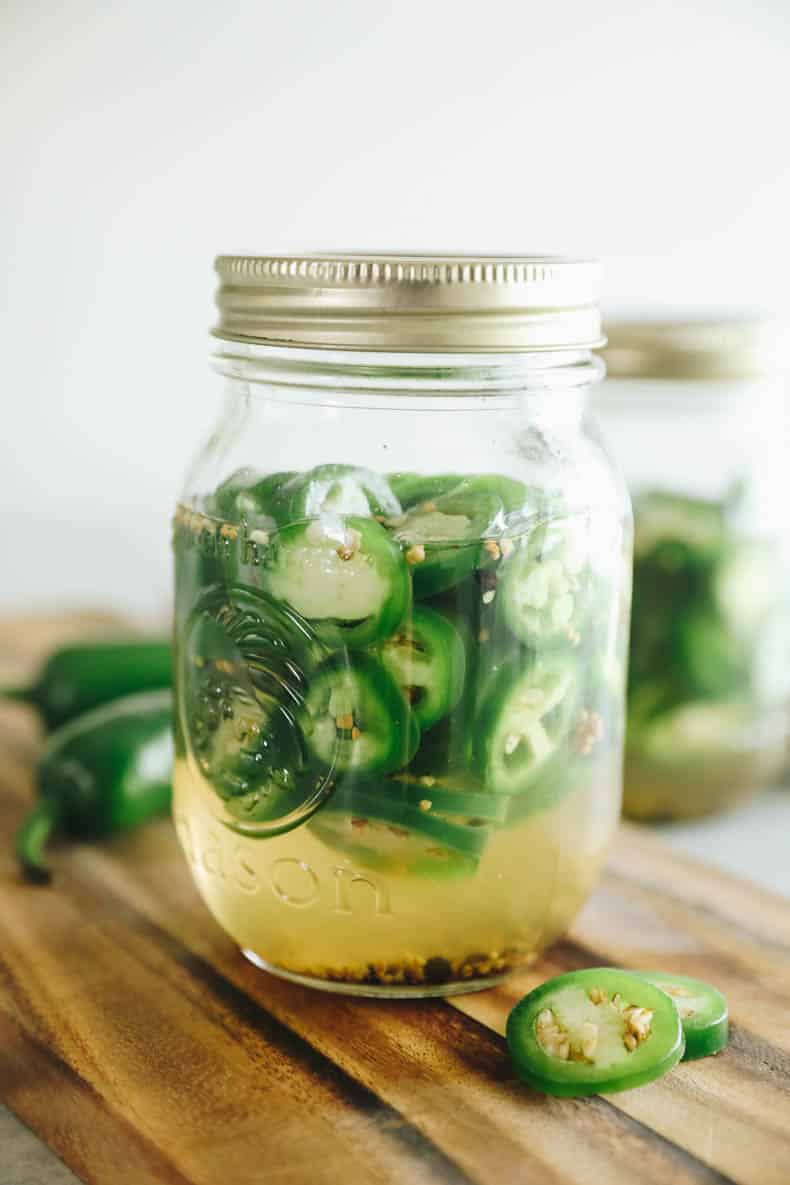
(695, 412)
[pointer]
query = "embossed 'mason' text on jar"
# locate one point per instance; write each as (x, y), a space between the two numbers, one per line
(293, 882)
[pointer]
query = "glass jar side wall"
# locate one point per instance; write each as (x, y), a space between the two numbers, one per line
(408, 799)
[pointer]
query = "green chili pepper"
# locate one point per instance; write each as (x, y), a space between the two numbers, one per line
(86, 675)
(107, 771)
(702, 1010)
(594, 1032)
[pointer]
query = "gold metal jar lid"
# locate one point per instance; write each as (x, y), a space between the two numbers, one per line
(696, 347)
(410, 303)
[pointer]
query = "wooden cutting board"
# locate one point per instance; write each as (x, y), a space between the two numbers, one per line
(142, 1047)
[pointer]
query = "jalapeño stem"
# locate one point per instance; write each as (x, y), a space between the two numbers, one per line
(33, 836)
(21, 695)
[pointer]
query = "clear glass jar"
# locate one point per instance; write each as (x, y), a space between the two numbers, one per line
(402, 588)
(695, 412)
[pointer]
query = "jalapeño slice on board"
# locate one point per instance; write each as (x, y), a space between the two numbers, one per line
(347, 578)
(702, 1010)
(427, 659)
(355, 717)
(596, 1031)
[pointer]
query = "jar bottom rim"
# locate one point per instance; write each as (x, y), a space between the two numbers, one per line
(417, 991)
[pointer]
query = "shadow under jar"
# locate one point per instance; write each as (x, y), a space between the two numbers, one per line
(695, 412)
(402, 589)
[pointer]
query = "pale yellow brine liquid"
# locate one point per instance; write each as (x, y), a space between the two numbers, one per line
(305, 907)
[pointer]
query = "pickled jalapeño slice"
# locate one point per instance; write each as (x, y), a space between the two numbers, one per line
(457, 796)
(594, 1032)
(390, 834)
(442, 537)
(411, 488)
(355, 717)
(523, 720)
(702, 1009)
(515, 496)
(427, 659)
(346, 577)
(339, 490)
(247, 495)
(544, 585)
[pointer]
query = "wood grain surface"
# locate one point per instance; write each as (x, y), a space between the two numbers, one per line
(139, 1044)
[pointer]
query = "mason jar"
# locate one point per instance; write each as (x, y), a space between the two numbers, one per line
(695, 412)
(402, 590)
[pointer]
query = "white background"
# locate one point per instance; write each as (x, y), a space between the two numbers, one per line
(137, 140)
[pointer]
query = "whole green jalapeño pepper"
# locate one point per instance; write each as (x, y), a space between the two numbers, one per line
(83, 676)
(107, 771)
